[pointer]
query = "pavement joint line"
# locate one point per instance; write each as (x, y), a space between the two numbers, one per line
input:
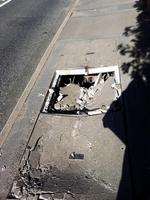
(78, 15)
(17, 109)
(6, 2)
(91, 38)
(106, 6)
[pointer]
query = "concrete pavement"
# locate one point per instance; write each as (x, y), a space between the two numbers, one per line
(95, 26)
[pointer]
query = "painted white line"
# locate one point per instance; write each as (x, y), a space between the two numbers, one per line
(6, 2)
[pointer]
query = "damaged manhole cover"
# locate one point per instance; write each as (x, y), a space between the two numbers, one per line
(83, 91)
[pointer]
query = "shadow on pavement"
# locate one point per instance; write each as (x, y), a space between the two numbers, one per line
(136, 109)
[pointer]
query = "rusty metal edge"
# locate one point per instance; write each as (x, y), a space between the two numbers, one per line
(11, 120)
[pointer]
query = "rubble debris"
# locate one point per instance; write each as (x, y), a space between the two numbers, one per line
(82, 94)
(31, 197)
(45, 197)
(55, 184)
(41, 95)
(3, 168)
(117, 87)
(96, 111)
(34, 155)
(90, 145)
(69, 196)
(60, 97)
(58, 196)
(101, 97)
(68, 103)
(16, 191)
(28, 185)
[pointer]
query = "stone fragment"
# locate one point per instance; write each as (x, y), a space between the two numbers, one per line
(103, 95)
(16, 190)
(45, 197)
(69, 196)
(3, 168)
(96, 112)
(70, 94)
(32, 197)
(58, 196)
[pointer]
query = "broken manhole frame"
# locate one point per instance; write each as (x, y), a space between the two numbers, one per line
(100, 74)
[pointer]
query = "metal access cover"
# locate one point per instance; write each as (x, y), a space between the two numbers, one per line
(88, 91)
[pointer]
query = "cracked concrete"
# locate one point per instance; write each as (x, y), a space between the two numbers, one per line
(97, 175)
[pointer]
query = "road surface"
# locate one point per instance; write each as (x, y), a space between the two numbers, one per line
(26, 29)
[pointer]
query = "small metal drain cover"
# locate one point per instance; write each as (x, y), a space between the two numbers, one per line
(83, 91)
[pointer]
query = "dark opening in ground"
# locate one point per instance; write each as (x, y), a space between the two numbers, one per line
(79, 94)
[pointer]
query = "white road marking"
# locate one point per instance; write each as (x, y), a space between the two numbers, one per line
(6, 2)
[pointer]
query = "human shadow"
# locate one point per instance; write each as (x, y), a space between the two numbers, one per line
(135, 110)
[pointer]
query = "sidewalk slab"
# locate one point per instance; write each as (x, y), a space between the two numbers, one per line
(100, 171)
(107, 26)
(74, 53)
(96, 4)
(94, 9)
(103, 150)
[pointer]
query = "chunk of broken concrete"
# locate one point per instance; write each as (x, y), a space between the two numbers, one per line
(104, 95)
(96, 112)
(70, 93)
(16, 191)
(45, 197)
(32, 197)
(58, 196)
(69, 196)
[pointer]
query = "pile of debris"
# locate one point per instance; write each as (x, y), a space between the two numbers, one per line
(31, 185)
(42, 183)
(82, 94)
(48, 182)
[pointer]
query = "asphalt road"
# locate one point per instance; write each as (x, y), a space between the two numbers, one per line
(26, 29)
